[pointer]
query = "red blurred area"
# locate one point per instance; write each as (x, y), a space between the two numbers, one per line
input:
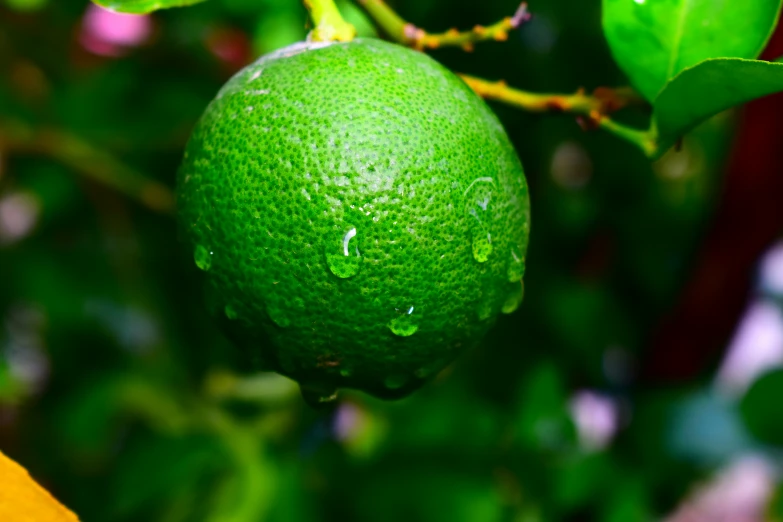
(231, 47)
(749, 218)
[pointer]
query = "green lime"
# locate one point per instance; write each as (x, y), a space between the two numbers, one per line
(358, 212)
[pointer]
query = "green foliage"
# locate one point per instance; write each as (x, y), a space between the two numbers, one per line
(655, 40)
(183, 465)
(628, 503)
(10, 389)
(541, 420)
(125, 399)
(708, 88)
(760, 408)
(143, 6)
(432, 495)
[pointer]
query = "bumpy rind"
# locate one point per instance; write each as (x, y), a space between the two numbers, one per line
(312, 142)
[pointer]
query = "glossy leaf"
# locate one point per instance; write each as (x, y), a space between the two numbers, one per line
(709, 88)
(653, 40)
(143, 6)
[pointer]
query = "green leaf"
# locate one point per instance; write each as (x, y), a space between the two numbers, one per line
(653, 40)
(760, 408)
(707, 89)
(143, 6)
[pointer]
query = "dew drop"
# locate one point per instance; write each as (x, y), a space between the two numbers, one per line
(478, 205)
(482, 245)
(346, 372)
(343, 258)
(405, 324)
(231, 313)
(514, 298)
(203, 257)
(394, 382)
(277, 314)
(516, 267)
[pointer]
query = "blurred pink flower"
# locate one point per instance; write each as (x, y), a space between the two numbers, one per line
(596, 417)
(107, 33)
(738, 493)
(757, 346)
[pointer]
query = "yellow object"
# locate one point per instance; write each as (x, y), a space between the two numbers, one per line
(23, 500)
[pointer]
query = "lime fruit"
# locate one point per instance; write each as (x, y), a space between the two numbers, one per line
(359, 213)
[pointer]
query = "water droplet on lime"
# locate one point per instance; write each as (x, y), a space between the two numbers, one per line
(343, 258)
(230, 312)
(478, 198)
(405, 324)
(203, 257)
(514, 298)
(394, 382)
(516, 267)
(482, 245)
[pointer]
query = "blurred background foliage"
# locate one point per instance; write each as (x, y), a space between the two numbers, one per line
(616, 393)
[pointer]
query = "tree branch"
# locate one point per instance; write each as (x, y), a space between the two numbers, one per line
(87, 160)
(408, 34)
(593, 110)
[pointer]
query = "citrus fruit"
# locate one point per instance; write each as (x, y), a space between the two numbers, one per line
(359, 213)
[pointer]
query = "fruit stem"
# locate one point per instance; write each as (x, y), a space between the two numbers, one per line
(84, 158)
(593, 109)
(329, 23)
(408, 34)
(645, 140)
